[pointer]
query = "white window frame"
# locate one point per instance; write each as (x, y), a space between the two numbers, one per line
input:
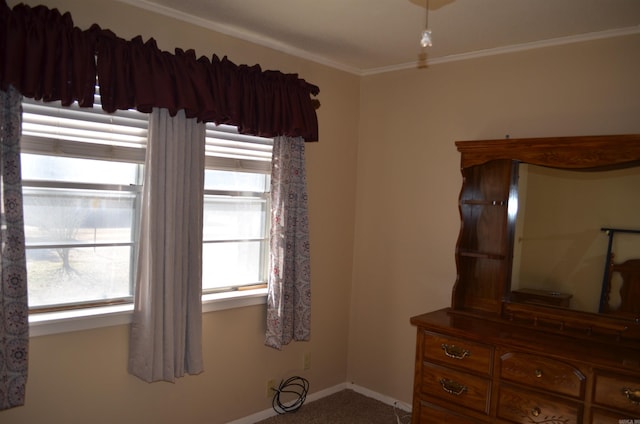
(221, 141)
(48, 323)
(222, 152)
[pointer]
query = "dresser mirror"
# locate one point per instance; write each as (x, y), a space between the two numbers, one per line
(513, 211)
(560, 248)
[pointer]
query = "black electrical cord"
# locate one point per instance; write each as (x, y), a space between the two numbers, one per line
(297, 386)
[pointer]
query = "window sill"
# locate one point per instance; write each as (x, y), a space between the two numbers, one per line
(86, 319)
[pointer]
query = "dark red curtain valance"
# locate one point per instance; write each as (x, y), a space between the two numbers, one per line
(46, 57)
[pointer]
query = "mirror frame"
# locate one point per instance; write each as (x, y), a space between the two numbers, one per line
(488, 292)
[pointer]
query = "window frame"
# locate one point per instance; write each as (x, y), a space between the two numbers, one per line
(57, 320)
(136, 190)
(264, 240)
(49, 323)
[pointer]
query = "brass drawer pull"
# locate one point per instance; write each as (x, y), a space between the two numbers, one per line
(538, 373)
(632, 395)
(535, 411)
(452, 387)
(455, 352)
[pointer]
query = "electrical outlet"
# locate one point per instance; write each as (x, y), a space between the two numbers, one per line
(306, 361)
(271, 384)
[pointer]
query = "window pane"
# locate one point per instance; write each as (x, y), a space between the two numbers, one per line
(235, 181)
(59, 276)
(231, 264)
(59, 223)
(68, 216)
(58, 168)
(233, 218)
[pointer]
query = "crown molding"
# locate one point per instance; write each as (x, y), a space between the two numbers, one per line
(240, 34)
(284, 48)
(619, 32)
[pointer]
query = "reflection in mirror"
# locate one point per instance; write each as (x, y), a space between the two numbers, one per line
(560, 249)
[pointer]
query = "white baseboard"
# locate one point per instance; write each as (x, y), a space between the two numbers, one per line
(267, 413)
(380, 397)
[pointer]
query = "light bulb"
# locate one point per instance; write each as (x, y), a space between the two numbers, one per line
(425, 41)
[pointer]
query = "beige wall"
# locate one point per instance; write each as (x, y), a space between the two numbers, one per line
(407, 217)
(81, 377)
(385, 174)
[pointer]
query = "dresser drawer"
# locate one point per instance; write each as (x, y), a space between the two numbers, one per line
(618, 392)
(543, 373)
(458, 353)
(431, 414)
(456, 387)
(522, 406)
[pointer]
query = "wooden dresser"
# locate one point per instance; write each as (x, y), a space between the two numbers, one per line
(494, 358)
(474, 370)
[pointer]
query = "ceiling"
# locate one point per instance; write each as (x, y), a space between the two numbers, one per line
(372, 36)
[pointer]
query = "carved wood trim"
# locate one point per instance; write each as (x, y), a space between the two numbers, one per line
(590, 152)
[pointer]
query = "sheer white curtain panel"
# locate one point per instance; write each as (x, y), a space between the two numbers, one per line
(166, 332)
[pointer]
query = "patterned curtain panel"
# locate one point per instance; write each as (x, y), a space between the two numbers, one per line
(289, 296)
(14, 309)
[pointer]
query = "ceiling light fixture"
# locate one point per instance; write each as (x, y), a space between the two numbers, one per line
(425, 40)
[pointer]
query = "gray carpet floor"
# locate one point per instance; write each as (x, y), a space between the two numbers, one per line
(345, 407)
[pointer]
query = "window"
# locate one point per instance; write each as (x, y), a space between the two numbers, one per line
(82, 175)
(236, 210)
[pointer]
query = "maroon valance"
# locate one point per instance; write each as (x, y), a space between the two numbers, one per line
(46, 57)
